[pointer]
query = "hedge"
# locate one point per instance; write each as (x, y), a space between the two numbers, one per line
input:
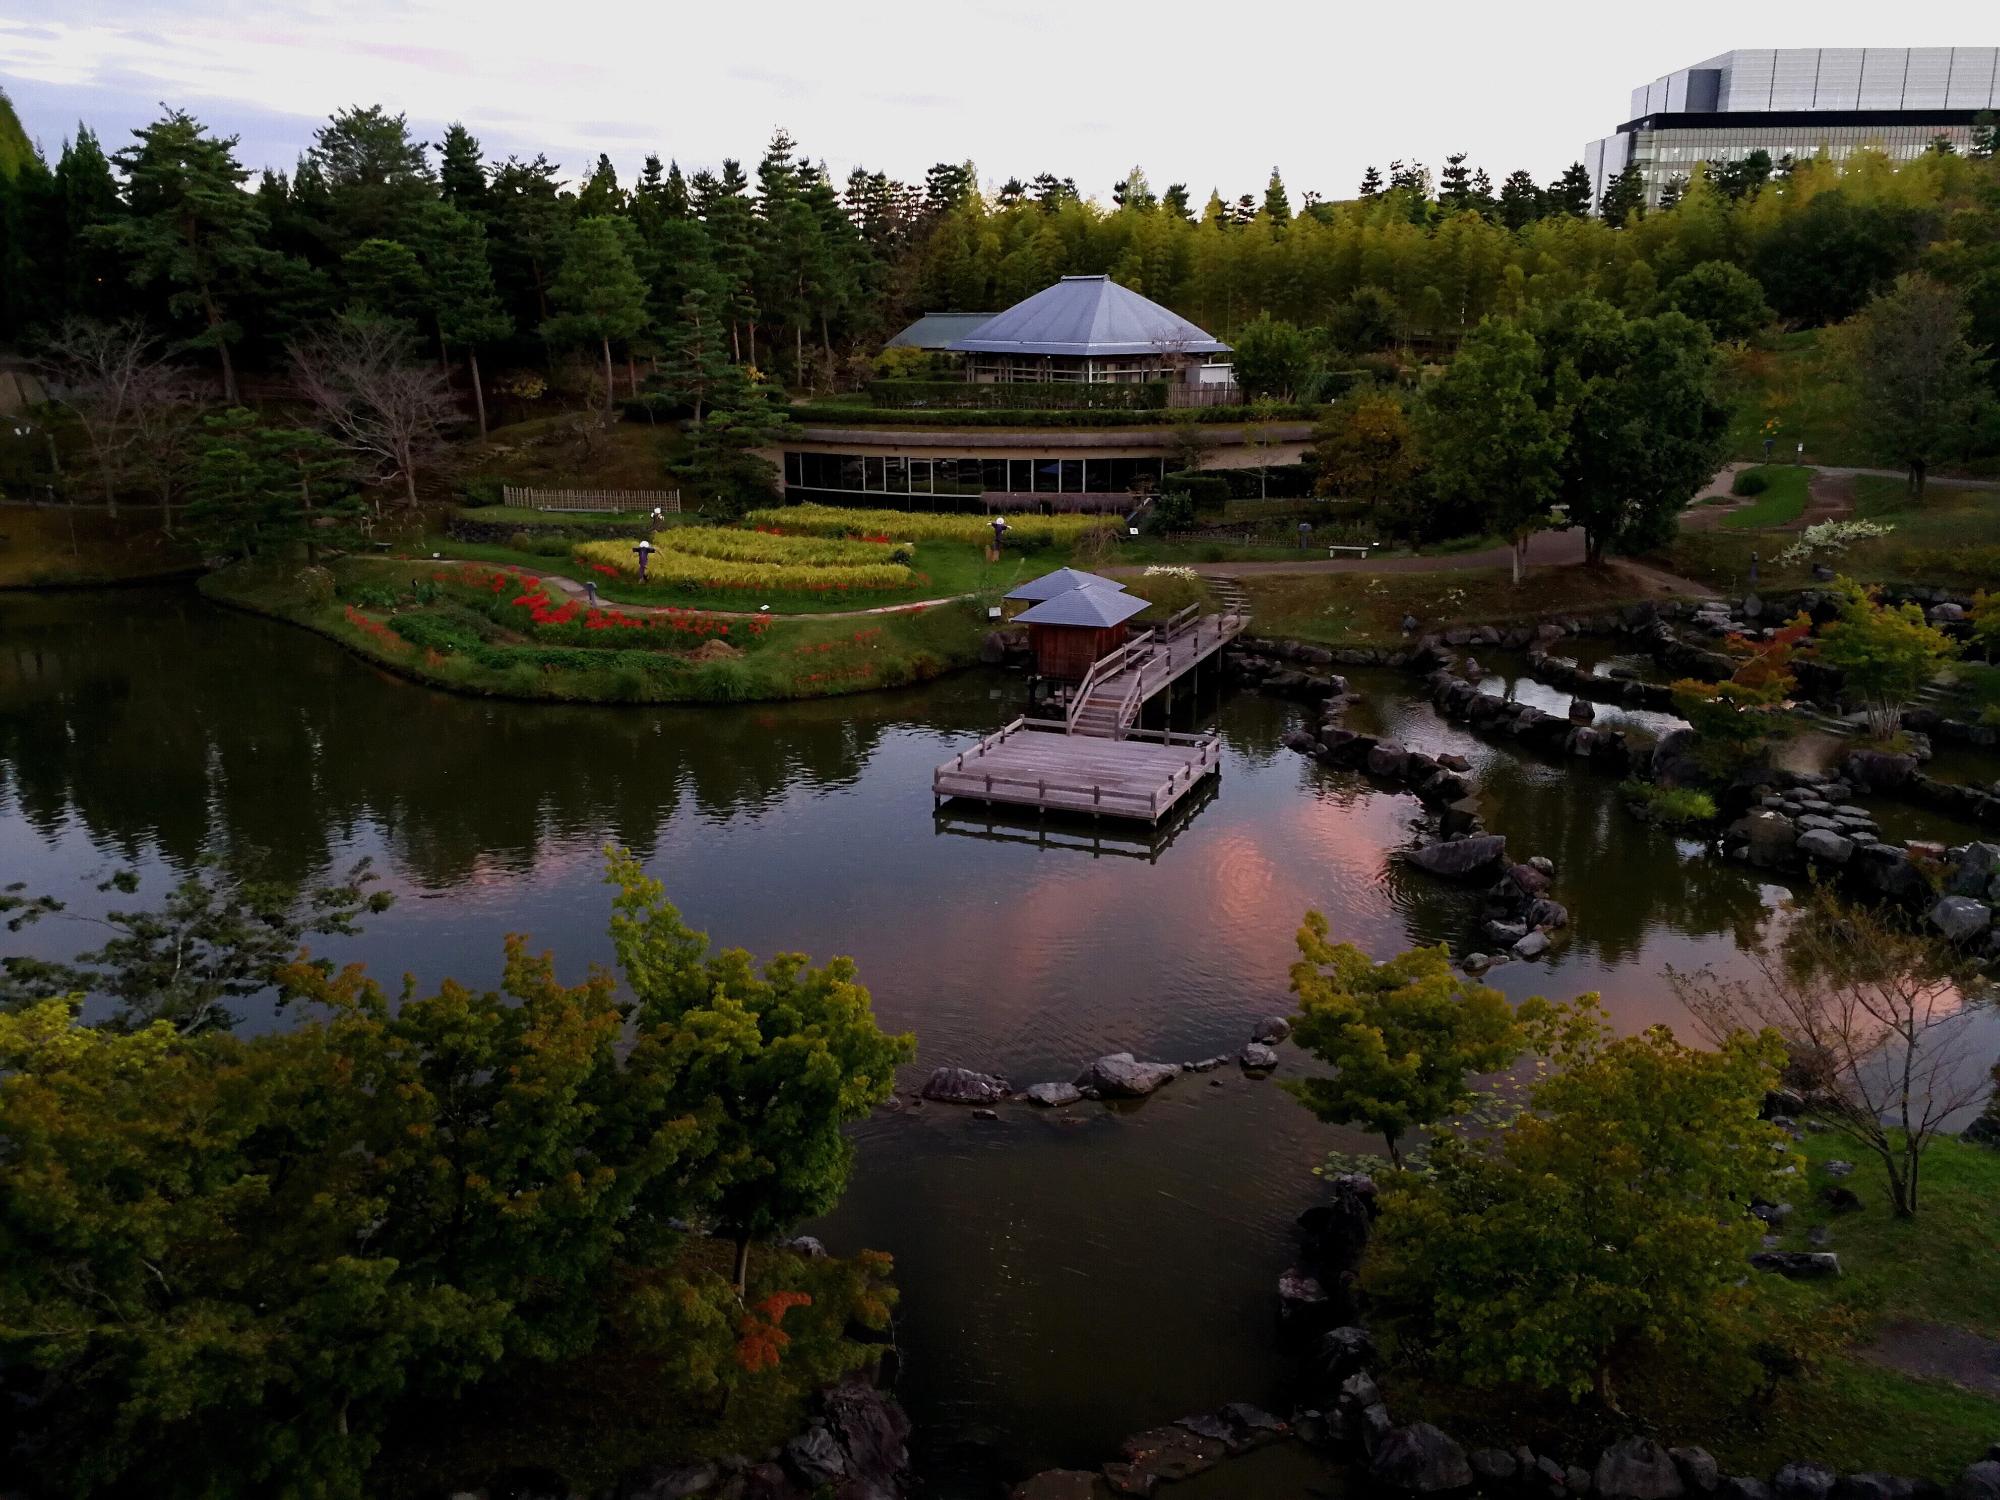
(1202, 489)
(1020, 395)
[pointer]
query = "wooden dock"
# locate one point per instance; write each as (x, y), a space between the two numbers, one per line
(1037, 763)
(1107, 702)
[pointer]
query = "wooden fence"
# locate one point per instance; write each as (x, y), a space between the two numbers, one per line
(611, 500)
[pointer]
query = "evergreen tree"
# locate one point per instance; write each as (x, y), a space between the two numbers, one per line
(461, 172)
(93, 284)
(1176, 202)
(598, 295)
(377, 174)
(384, 277)
(721, 463)
(1520, 200)
(1371, 183)
(947, 186)
(1569, 193)
(1277, 206)
(463, 299)
(725, 210)
(192, 228)
(1455, 184)
(526, 220)
(1670, 192)
(255, 491)
(1625, 196)
(1984, 133)
(601, 196)
(697, 360)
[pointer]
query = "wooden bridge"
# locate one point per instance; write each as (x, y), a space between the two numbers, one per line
(1094, 760)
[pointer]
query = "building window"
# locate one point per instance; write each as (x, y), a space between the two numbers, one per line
(873, 468)
(897, 473)
(920, 476)
(1071, 478)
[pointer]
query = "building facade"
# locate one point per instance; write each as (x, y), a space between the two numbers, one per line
(1797, 102)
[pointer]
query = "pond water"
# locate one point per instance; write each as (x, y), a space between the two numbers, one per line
(1067, 1278)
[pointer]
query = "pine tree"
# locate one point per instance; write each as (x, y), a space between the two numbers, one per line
(384, 277)
(461, 173)
(1671, 190)
(1371, 183)
(1569, 193)
(86, 196)
(376, 173)
(256, 490)
(1624, 197)
(1520, 200)
(1455, 183)
(601, 196)
(1176, 201)
(725, 210)
(1277, 206)
(697, 362)
(597, 294)
(722, 463)
(463, 299)
(192, 227)
(526, 220)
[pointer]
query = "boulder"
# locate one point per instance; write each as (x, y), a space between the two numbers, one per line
(1980, 1481)
(1119, 1076)
(1299, 740)
(1534, 945)
(1460, 859)
(1873, 1487)
(1421, 1460)
(815, 1456)
(1638, 1468)
(1300, 1297)
(1841, 1200)
(873, 1431)
(1334, 1233)
(1387, 761)
(1743, 1487)
(1344, 1351)
(963, 1086)
(1698, 1470)
(993, 649)
(1960, 918)
(1825, 844)
(1798, 1265)
(1271, 1029)
(1172, 1452)
(1359, 1391)
(1054, 1095)
(1551, 915)
(804, 1245)
(1879, 770)
(1800, 1481)
(1768, 837)
(1257, 1058)
(1492, 1467)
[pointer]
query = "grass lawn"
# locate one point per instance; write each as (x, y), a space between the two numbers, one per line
(1783, 502)
(790, 659)
(1952, 537)
(1794, 379)
(1367, 609)
(1840, 1409)
(38, 549)
(946, 570)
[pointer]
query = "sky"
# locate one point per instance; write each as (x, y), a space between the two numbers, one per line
(1213, 94)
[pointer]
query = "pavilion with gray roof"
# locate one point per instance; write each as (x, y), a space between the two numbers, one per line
(1089, 328)
(1036, 590)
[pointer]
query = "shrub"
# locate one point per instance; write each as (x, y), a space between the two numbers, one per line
(1204, 490)
(1675, 807)
(1750, 482)
(1173, 511)
(1023, 531)
(434, 631)
(475, 494)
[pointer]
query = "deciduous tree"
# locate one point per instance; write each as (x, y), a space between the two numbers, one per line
(1886, 654)
(1921, 383)
(374, 400)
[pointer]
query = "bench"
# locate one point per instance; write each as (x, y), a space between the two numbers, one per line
(1348, 549)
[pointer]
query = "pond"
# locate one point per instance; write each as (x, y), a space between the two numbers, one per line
(1068, 1278)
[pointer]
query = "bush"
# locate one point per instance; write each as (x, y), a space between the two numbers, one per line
(475, 494)
(1674, 807)
(1203, 490)
(434, 630)
(1023, 531)
(1750, 482)
(1172, 511)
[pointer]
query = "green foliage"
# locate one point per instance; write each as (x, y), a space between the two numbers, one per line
(597, 294)
(15, 148)
(1722, 297)
(1784, 490)
(1673, 807)
(1202, 490)
(220, 938)
(781, 1058)
(1751, 481)
(1607, 1222)
(1273, 358)
(1921, 381)
(255, 490)
(1403, 1037)
(722, 463)
(1885, 653)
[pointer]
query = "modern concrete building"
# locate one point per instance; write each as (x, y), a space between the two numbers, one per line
(1798, 102)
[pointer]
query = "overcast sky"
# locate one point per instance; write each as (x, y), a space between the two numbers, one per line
(1212, 93)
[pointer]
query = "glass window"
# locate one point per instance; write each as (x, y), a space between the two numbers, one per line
(992, 473)
(1048, 476)
(1072, 476)
(920, 476)
(1020, 475)
(1097, 476)
(874, 472)
(1120, 474)
(851, 470)
(897, 472)
(794, 469)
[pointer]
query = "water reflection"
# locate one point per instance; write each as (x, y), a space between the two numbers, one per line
(146, 727)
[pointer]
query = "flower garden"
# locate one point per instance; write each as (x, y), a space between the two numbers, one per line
(718, 560)
(1030, 531)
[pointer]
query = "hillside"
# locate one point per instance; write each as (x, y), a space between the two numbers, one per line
(15, 148)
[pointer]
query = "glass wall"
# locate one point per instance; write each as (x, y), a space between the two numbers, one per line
(1664, 155)
(843, 475)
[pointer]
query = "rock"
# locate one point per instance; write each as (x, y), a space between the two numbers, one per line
(1798, 1265)
(1534, 945)
(993, 649)
(1506, 934)
(1128, 1479)
(1980, 1481)
(1460, 859)
(1208, 1424)
(874, 1433)
(1359, 1391)
(1825, 844)
(1873, 1487)
(767, 1481)
(1300, 1297)
(1271, 1029)
(815, 1456)
(1839, 1169)
(1768, 837)
(1257, 1058)
(1172, 1452)
(986, 1114)
(1060, 1484)
(1960, 918)
(1577, 1479)
(1638, 1468)
(1387, 761)
(1773, 1214)
(1551, 915)
(1492, 1466)
(1528, 880)
(1252, 1423)
(1697, 1469)
(1054, 1095)
(963, 1086)
(1420, 1459)
(660, 1482)
(1743, 1487)
(1841, 1200)
(1119, 1076)
(1344, 1351)
(1373, 1428)
(1797, 1481)
(1335, 1233)
(1453, 762)
(805, 1245)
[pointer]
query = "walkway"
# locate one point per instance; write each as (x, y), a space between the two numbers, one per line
(1107, 702)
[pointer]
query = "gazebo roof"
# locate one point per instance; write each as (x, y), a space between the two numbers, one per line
(1049, 585)
(1094, 606)
(1085, 315)
(939, 330)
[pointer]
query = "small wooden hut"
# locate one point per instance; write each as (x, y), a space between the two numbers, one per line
(1051, 585)
(1072, 632)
